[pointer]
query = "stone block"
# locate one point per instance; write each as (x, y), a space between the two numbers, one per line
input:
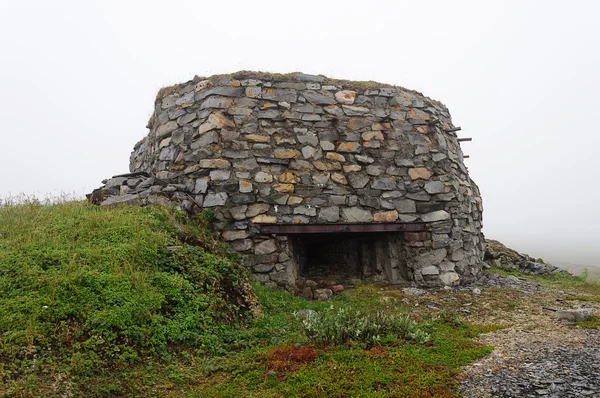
(386, 216)
(266, 247)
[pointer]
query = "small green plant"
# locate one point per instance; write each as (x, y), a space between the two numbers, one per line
(208, 215)
(348, 325)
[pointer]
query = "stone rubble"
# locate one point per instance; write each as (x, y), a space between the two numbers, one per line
(261, 149)
(503, 257)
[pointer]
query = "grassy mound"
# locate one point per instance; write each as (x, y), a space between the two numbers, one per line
(85, 289)
(144, 302)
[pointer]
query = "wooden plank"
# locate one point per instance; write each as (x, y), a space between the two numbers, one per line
(340, 228)
(466, 156)
(465, 139)
(453, 130)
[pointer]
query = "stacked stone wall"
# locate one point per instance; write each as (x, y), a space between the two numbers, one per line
(302, 149)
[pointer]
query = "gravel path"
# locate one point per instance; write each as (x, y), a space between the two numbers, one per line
(536, 355)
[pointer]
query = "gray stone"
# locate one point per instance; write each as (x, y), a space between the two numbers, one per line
(329, 214)
(266, 247)
(327, 146)
(323, 294)
(384, 183)
(405, 206)
(215, 199)
(434, 187)
(433, 257)
(318, 98)
(279, 95)
(306, 211)
(439, 215)
(309, 78)
(216, 102)
(356, 214)
(220, 90)
(201, 185)
(220, 175)
(166, 129)
(578, 315)
(358, 180)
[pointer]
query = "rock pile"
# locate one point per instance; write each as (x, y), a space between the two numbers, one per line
(502, 257)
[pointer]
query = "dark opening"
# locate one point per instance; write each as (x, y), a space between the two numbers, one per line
(342, 257)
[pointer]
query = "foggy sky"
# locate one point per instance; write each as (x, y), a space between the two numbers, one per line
(78, 81)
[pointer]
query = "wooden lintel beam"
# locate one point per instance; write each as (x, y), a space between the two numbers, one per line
(465, 139)
(340, 228)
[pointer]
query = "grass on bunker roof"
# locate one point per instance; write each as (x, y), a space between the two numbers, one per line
(356, 85)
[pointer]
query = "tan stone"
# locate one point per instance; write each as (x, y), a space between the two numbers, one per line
(339, 178)
(294, 200)
(215, 120)
(256, 209)
(357, 123)
(264, 219)
(257, 138)
(287, 178)
(166, 129)
(282, 153)
(284, 188)
(335, 156)
(300, 165)
(345, 97)
(419, 173)
(386, 216)
(372, 135)
(349, 168)
(327, 166)
(234, 235)
(214, 164)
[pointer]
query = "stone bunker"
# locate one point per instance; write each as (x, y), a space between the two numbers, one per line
(312, 177)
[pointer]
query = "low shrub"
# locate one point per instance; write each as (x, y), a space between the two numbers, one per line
(348, 325)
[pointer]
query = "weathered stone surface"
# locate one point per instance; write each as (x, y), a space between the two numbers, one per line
(311, 150)
(579, 315)
(317, 98)
(356, 214)
(329, 214)
(275, 94)
(265, 247)
(234, 235)
(261, 176)
(345, 97)
(166, 129)
(339, 178)
(439, 215)
(350, 147)
(431, 258)
(419, 173)
(359, 180)
(214, 164)
(264, 219)
(220, 175)
(386, 216)
(282, 153)
(215, 199)
(434, 187)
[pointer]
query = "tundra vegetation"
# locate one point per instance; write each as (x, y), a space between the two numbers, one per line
(134, 301)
